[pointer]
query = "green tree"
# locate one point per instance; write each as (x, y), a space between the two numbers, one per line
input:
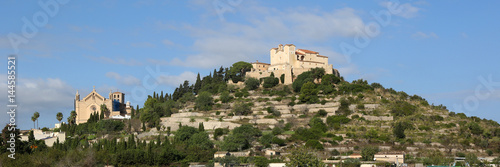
(201, 140)
(266, 140)
(303, 157)
(335, 121)
(270, 81)
(329, 79)
(367, 153)
(318, 72)
(309, 93)
(314, 144)
(301, 80)
(261, 161)
(399, 130)
(235, 142)
(201, 128)
(104, 111)
(72, 118)
(204, 101)
(252, 83)
(238, 70)
(475, 128)
(225, 97)
(197, 85)
(184, 133)
(317, 124)
(241, 108)
(59, 117)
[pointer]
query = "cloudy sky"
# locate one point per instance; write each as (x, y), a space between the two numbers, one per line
(445, 51)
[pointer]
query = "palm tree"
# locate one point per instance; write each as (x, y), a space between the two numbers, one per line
(72, 117)
(59, 117)
(33, 119)
(36, 115)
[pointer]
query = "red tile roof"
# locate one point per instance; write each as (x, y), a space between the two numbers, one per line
(307, 51)
(322, 56)
(260, 63)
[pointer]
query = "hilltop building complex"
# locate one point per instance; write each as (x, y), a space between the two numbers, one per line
(291, 62)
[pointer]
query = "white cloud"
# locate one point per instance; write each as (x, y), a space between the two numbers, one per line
(126, 80)
(46, 96)
(422, 35)
(175, 80)
(229, 42)
(108, 60)
(405, 10)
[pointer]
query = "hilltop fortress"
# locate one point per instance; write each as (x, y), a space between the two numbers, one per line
(291, 62)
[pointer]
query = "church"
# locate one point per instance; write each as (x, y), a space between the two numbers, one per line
(116, 108)
(288, 61)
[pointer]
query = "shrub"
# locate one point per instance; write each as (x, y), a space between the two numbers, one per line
(322, 113)
(241, 108)
(225, 97)
(314, 144)
(270, 81)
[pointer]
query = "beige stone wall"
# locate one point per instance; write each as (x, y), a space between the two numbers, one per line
(291, 62)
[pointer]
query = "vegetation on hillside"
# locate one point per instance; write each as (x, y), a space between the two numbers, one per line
(359, 115)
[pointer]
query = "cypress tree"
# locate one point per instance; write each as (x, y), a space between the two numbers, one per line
(201, 128)
(102, 115)
(197, 84)
(161, 97)
(132, 112)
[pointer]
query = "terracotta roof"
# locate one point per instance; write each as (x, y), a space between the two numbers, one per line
(311, 61)
(260, 63)
(322, 56)
(299, 53)
(307, 51)
(274, 48)
(289, 45)
(221, 152)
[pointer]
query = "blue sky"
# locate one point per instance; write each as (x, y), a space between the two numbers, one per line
(445, 51)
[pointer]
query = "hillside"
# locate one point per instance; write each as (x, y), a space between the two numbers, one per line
(322, 113)
(353, 115)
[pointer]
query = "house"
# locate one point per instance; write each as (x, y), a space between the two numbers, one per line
(355, 156)
(272, 153)
(221, 154)
(396, 158)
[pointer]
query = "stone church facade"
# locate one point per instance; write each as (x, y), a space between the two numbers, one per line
(292, 62)
(92, 104)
